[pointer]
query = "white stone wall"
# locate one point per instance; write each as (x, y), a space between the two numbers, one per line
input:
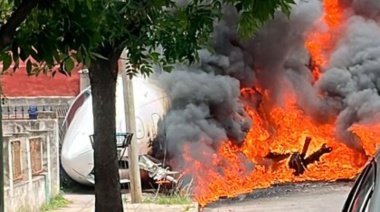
(28, 101)
(32, 191)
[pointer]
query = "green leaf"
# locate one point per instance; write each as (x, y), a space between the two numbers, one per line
(87, 61)
(23, 54)
(35, 71)
(71, 4)
(167, 68)
(79, 56)
(7, 61)
(89, 4)
(154, 56)
(29, 67)
(16, 65)
(56, 56)
(69, 64)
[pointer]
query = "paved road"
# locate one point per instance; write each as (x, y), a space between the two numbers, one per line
(309, 197)
(300, 197)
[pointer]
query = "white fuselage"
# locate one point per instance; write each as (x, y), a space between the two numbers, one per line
(77, 153)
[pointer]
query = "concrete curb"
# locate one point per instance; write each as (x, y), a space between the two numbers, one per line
(85, 203)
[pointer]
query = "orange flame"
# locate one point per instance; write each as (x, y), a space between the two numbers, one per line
(319, 44)
(290, 128)
(281, 130)
(370, 132)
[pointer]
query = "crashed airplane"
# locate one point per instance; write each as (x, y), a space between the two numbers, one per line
(77, 152)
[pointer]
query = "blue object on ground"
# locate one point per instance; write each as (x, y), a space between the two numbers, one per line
(33, 112)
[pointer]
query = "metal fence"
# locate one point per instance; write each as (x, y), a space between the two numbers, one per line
(21, 112)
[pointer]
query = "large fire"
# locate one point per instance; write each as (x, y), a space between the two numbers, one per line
(320, 42)
(280, 131)
(285, 134)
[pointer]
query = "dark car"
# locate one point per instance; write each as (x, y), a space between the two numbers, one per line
(365, 194)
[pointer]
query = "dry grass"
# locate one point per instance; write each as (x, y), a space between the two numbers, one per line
(180, 195)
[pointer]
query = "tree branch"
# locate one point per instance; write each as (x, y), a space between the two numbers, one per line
(8, 30)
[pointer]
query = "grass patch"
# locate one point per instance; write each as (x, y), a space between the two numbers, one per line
(169, 200)
(55, 203)
(180, 195)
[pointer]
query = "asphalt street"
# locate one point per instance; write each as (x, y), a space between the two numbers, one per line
(304, 197)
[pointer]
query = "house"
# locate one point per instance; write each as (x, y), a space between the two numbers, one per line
(31, 146)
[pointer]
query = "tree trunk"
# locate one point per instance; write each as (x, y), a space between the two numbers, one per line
(103, 75)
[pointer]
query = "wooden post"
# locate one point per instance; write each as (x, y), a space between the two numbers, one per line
(130, 121)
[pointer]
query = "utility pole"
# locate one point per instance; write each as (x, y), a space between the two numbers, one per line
(130, 123)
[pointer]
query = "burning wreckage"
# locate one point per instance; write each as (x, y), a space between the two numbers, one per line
(300, 101)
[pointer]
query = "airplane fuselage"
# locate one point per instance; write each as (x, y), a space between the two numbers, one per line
(77, 153)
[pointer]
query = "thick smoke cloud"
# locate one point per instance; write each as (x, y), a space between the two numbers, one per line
(354, 73)
(205, 111)
(278, 49)
(202, 105)
(366, 8)
(206, 107)
(350, 84)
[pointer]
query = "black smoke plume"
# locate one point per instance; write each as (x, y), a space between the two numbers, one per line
(206, 106)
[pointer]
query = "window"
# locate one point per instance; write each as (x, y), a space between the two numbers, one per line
(78, 102)
(364, 190)
(139, 128)
(16, 160)
(36, 155)
(156, 118)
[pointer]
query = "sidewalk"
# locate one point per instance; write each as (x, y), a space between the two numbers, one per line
(86, 202)
(78, 203)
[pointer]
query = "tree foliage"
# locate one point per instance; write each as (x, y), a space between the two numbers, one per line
(254, 13)
(55, 35)
(58, 33)
(65, 31)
